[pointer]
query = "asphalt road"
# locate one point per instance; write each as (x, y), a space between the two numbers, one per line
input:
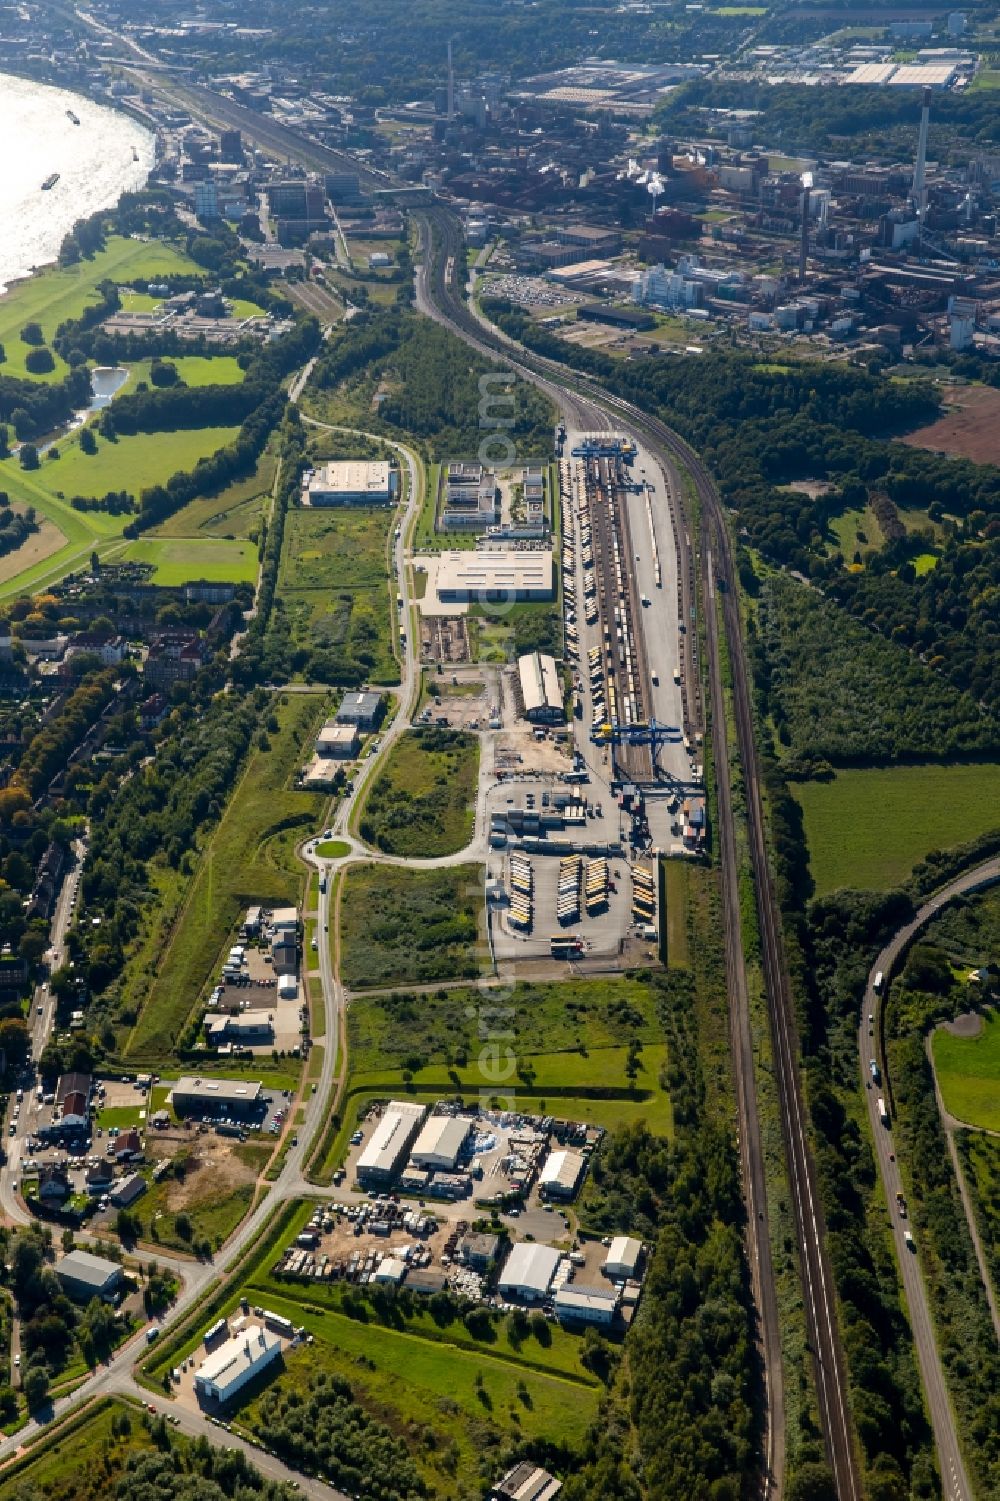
(439, 299)
(954, 1478)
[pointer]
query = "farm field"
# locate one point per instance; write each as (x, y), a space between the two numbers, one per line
(968, 1073)
(131, 463)
(178, 561)
(59, 293)
(334, 587)
(423, 802)
(969, 427)
(234, 512)
(248, 859)
(919, 808)
(400, 927)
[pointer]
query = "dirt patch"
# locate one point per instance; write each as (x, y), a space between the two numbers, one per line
(213, 1172)
(34, 549)
(970, 1024)
(970, 427)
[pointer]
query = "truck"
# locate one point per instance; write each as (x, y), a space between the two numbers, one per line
(883, 1112)
(875, 1073)
(877, 983)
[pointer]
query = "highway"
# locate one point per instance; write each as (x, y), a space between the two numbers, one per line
(594, 409)
(954, 1478)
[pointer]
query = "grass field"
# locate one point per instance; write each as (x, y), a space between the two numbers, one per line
(868, 828)
(248, 860)
(57, 294)
(195, 369)
(401, 927)
(980, 1156)
(424, 801)
(84, 1460)
(131, 463)
(334, 585)
(968, 1071)
(675, 885)
(469, 1398)
(234, 513)
(178, 561)
(331, 849)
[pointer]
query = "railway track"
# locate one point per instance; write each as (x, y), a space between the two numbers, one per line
(569, 389)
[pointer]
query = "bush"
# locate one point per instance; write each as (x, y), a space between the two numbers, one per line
(31, 333)
(39, 361)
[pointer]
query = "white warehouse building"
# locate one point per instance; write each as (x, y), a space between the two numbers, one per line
(386, 1149)
(439, 1143)
(622, 1258)
(560, 1175)
(222, 1374)
(528, 1271)
(541, 692)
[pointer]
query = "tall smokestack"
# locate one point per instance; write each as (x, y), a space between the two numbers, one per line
(919, 191)
(451, 86)
(807, 182)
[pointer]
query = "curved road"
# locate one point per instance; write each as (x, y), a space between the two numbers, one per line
(954, 1478)
(116, 1377)
(438, 298)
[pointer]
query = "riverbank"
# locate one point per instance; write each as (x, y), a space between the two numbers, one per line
(89, 164)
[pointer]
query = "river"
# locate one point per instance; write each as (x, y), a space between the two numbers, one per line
(94, 160)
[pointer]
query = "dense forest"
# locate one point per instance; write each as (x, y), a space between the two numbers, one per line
(838, 692)
(832, 122)
(762, 429)
(680, 1406)
(430, 383)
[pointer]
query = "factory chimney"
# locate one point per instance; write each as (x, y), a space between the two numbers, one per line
(451, 86)
(807, 182)
(919, 190)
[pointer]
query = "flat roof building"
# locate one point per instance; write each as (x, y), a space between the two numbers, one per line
(221, 1375)
(387, 1147)
(84, 1276)
(440, 1142)
(199, 1096)
(363, 709)
(339, 741)
(245, 1026)
(586, 1305)
(351, 482)
(528, 1271)
(560, 1175)
(540, 692)
(623, 1257)
(499, 574)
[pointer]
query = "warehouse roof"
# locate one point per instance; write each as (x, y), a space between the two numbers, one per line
(92, 1271)
(352, 477)
(494, 570)
(624, 1252)
(539, 682)
(216, 1091)
(242, 1352)
(531, 1266)
(385, 1143)
(562, 1170)
(442, 1136)
(572, 1299)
